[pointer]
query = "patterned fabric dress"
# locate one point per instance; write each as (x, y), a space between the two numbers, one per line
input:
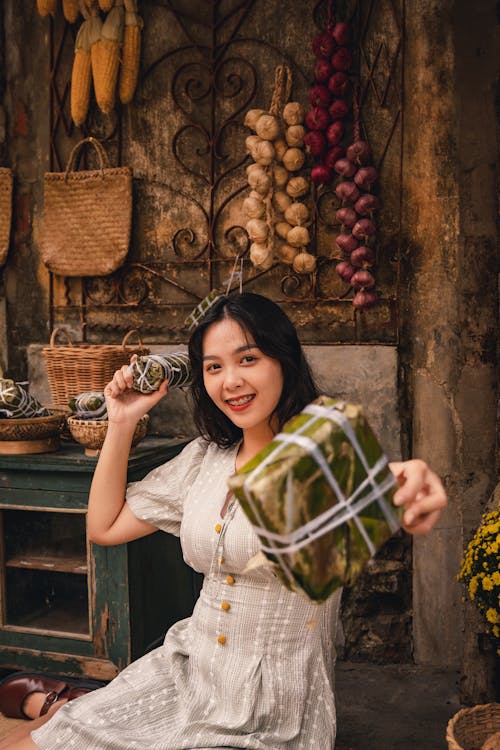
(251, 668)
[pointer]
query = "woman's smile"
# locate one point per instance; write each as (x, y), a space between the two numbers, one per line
(240, 403)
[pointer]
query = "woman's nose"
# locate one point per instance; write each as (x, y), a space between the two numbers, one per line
(232, 378)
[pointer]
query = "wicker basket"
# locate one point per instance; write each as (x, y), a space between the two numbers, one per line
(77, 368)
(91, 432)
(5, 211)
(33, 428)
(470, 727)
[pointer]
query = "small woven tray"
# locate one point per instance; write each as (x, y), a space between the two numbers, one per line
(470, 727)
(33, 428)
(91, 432)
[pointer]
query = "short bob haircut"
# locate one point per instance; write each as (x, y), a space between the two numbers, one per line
(276, 337)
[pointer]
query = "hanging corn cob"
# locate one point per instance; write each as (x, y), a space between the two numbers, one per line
(105, 56)
(106, 5)
(71, 10)
(89, 405)
(131, 52)
(81, 74)
(16, 403)
(46, 7)
(150, 372)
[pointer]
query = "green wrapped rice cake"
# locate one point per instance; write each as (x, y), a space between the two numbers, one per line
(149, 372)
(16, 402)
(200, 310)
(319, 497)
(89, 405)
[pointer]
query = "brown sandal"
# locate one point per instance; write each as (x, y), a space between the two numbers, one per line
(15, 688)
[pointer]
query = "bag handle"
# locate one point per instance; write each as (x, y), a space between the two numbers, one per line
(127, 335)
(101, 155)
(54, 334)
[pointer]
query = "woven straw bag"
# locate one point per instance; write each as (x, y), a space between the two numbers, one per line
(471, 727)
(78, 368)
(86, 217)
(5, 211)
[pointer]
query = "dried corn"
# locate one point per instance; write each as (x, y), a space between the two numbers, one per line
(131, 53)
(70, 10)
(46, 7)
(106, 5)
(105, 56)
(81, 75)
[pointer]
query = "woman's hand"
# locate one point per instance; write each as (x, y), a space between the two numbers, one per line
(126, 406)
(421, 492)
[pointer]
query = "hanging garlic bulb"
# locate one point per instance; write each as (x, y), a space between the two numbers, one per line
(263, 152)
(261, 256)
(251, 141)
(294, 135)
(280, 176)
(304, 263)
(281, 201)
(267, 127)
(298, 237)
(257, 230)
(280, 148)
(297, 187)
(252, 116)
(297, 214)
(259, 180)
(293, 159)
(282, 228)
(287, 253)
(293, 113)
(254, 208)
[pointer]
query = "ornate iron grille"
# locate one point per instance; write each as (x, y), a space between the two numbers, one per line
(184, 137)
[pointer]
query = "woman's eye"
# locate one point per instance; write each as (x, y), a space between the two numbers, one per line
(249, 358)
(212, 368)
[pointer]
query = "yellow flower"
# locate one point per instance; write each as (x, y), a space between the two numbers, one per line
(492, 615)
(487, 583)
(496, 631)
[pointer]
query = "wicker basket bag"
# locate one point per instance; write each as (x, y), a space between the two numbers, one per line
(471, 727)
(5, 211)
(86, 217)
(77, 368)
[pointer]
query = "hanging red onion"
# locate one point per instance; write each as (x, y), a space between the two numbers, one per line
(347, 217)
(333, 155)
(362, 257)
(335, 132)
(346, 242)
(367, 204)
(359, 151)
(338, 109)
(347, 191)
(364, 298)
(345, 271)
(341, 33)
(365, 177)
(362, 280)
(317, 119)
(342, 59)
(324, 45)
(321, 175)
(363, 229)
(322, 70)
(345, 167)
(319, 96)
(315, 142)
(339, 84)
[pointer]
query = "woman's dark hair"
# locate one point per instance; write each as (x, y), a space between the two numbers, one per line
(276, 337)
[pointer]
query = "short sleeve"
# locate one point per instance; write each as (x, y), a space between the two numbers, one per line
(158, 498)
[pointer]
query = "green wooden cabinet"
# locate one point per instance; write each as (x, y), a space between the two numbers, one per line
(70, 606)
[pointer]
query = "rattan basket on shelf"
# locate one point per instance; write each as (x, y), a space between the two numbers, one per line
(91, 432)
(33, 434)
(78, 368)
(470, 727)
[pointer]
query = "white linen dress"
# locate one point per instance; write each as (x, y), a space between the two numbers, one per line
(251, 668)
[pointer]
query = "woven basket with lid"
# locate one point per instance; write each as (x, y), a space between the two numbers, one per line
(471, 727)
(78, 368)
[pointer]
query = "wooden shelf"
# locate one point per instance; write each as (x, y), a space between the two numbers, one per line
(58, 564)
(67, 617)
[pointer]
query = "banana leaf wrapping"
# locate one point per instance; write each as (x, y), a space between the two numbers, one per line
(319, 498)
(200, 310)
(89, 405)
(16, 402)
(149, 372)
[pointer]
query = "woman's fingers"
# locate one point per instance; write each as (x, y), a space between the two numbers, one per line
(421, 491)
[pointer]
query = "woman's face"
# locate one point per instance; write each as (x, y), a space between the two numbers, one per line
(243, 382)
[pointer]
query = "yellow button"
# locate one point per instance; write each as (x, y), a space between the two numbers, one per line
(218, 527)
(221, 639)
(222, 560)
(230, 580)
(225, 606)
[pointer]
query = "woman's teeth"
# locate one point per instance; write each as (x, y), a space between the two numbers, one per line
(239, 401)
